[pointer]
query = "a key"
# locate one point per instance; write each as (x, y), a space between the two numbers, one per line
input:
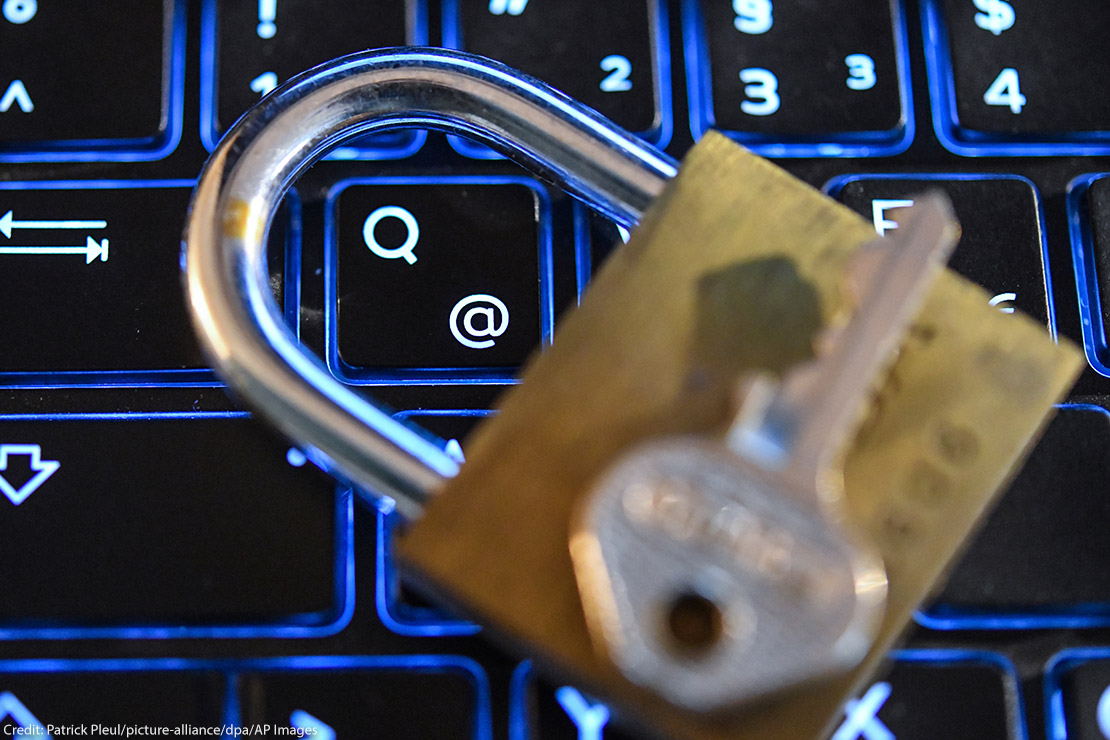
(925, 694)
(1009, 77)
(399, 608)
(736, 275)
(438, 696)
(105, 697)
(541, 711)
(437, 280)
(1081, 680)
(611, 58)
(1040, 558)
(738, 548)
(87, 81)
(1089, 206)
(794, 78)
(249, 48)
(138, 525)
(935, 693)
(1002, 245)
(92, 283)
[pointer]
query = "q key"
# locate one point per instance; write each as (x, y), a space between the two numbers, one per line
(438, 280)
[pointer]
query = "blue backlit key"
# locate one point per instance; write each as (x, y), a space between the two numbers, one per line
(937, 694)
(252, 47)
(790, 77)
(90, 283)
(93, 698)
(1041, 558)
(1013, 77)
(444, 279)
(1083, 680)
(925, 695)
(166, 526)
(441, 697)
(1089, 204)
(612, 57)
(1002, 244)
(99, 80)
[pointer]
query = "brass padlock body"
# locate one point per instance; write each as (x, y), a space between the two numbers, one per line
(732, 271)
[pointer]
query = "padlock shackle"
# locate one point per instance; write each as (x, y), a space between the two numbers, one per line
(234, 313)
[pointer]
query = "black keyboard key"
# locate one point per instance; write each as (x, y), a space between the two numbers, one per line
(252, 47)
(441, 697)
(203, 523)
(923, 696)
(799, 78)
(1089, 202)
(613, 59)
(437, 280)
(1041, 557)
(1081, 711)
(91, 80)
(1013, 77)
(398, 608)
(542, 712)
(1002, 246)
(93, 273)
(936, 694)
(90, 699)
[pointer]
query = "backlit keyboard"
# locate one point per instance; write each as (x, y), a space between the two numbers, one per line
(166, 561)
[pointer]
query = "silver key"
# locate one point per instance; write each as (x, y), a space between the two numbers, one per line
(716, 573)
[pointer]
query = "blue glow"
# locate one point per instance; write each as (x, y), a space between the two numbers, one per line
(16, 95)
(404, 144)
(835, 185)
(588, 717)
(583, 250)
(152, 378)
(310, 725)
(659, 134)
(519, 701)
(440, 376)
(42, 470)
(972, 143)
(231, 667)
(398, 617)
(836, 143)
(11, 707)
(1058, 667)
(1095, 344)
(861, 716)
(321, 624)
(127, 150)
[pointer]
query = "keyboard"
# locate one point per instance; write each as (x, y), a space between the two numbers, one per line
(169, 563)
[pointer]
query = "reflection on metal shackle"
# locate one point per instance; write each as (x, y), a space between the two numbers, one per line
(240, 326)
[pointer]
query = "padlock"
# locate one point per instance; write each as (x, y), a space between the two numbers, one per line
(752, 451)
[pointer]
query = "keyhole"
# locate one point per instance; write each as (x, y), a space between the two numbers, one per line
(694, 624)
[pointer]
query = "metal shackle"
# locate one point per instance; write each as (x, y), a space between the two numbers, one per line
(237, 319)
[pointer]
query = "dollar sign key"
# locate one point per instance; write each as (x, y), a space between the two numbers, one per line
(997, 15)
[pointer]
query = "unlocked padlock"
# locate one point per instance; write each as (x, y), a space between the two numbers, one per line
(752, 451)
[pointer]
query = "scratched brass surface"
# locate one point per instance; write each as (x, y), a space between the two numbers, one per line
(731, 271)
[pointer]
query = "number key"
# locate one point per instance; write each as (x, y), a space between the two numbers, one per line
(1011, 77)
(608, 57)
(793, 78)
(251, 47)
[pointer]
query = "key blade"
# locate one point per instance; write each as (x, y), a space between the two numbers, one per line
(817, 405)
